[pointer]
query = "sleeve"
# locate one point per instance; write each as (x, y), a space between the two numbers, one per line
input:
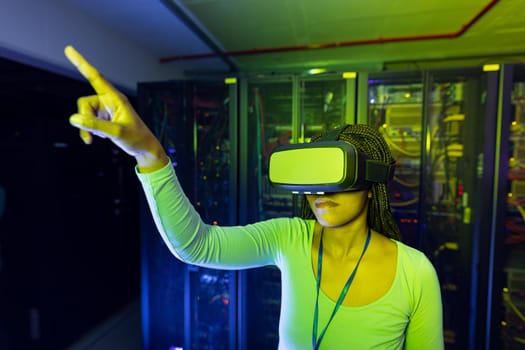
(425, 327)
(194, 242)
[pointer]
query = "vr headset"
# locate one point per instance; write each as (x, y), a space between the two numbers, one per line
(325, 166)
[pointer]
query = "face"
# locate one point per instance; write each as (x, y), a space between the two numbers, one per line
(338, 208)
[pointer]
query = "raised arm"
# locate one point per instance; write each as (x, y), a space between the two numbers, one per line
(108, 114)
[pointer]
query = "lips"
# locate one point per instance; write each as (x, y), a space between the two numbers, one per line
(323, 204)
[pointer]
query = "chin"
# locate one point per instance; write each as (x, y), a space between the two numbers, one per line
(329, 223)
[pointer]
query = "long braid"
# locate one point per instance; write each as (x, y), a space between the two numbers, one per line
(369, 142)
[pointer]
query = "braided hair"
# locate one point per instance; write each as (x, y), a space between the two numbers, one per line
(371, 143)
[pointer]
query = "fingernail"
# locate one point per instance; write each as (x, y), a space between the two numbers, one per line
(70, 53)
(75, 120)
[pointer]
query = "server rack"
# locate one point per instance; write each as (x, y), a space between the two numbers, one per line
(200, 127)
(276, 111)
(505, 328)
(187, 306)
(441, 126)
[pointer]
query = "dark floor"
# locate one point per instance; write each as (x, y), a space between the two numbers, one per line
(121, 331)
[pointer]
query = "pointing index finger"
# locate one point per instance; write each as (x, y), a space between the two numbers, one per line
(89, 72)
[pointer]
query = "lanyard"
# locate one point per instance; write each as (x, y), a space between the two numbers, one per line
(316, 342)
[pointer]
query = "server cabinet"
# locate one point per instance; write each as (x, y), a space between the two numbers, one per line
(506, 327)
(440, 125)
(186, 306)
(273, 112)
(396, 109)
(266, 109)
(196, 122)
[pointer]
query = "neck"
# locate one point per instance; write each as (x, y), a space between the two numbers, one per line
(344, 242)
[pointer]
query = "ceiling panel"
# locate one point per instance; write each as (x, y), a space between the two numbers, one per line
(241, 25)
(291, 35)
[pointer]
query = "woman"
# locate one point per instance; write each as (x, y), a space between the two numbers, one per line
(347, 283)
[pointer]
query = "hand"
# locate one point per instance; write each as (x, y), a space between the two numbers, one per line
(109, 114)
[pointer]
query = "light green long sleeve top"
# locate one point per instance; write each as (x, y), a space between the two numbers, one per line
(408, 316)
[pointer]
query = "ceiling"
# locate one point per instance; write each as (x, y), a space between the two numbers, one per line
(254, 36)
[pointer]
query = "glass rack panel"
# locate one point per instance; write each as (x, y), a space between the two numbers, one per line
(513, 292)
(396, 110)
(452, 194)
